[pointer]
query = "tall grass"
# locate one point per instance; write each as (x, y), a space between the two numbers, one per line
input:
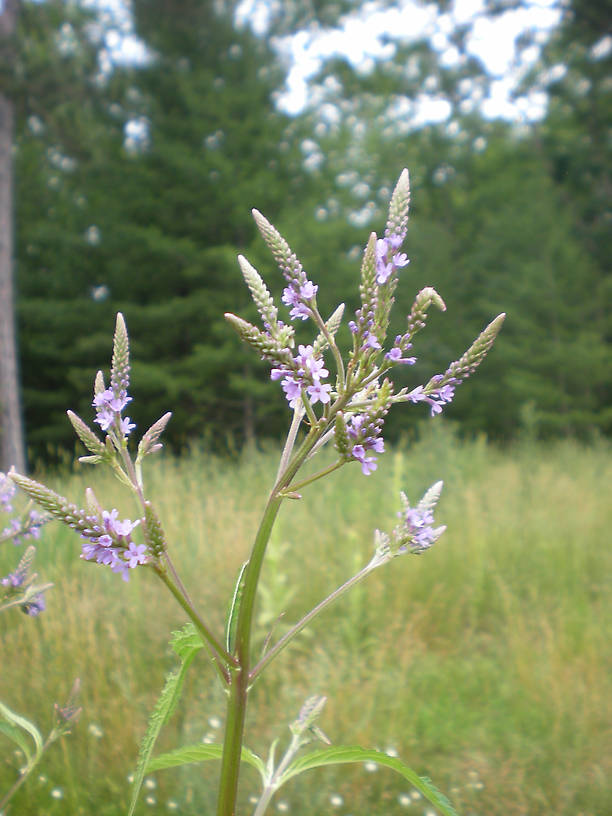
(484, 662)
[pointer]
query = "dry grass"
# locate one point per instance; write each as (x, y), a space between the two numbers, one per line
(485, 662)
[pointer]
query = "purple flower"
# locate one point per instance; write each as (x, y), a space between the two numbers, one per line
(319, 392)
(126, 427)
(108, 405)
(436, 399)
(13, 579)
(292, 389)
(395, 356)
(35, 605)
(135, 554)
(415, 531)
(307, 373)
(365, 433)
(368, 463)
(109, 542)
(120, 566)
(371, 341)
(294, 296)
(388, 260)
(7, 491)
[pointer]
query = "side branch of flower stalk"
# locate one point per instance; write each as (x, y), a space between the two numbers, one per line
(334, 348)
(297, 628)
(325, 472)
(298, 415)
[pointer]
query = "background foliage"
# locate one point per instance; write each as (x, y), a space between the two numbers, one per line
(134, 189)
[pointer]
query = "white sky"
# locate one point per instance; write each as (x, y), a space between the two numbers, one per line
(370, 35)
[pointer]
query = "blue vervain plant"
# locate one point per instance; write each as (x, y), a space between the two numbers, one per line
(346, 410)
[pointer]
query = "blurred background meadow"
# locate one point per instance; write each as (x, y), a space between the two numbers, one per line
(139, 135)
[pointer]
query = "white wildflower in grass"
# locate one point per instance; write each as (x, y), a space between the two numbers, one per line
(57, 793)
(172, 805)
(282, 806)
(370, 767)
(150, 800)
(391, 751)
(404, 799)
(214, 722)
(150, 783)
(95, 730)
(336, 800)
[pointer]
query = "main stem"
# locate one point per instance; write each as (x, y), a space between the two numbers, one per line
(237, 703)
(239, 684)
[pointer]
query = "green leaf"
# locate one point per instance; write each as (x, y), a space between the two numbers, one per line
(234, 609)
(201, 752)
(17, 735)
(11, 728)
(354, 753)
(186, 643)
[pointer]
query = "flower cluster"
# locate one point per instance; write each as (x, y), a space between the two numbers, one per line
(109, 542)
(7, 491)
(364, 433)
(363, 326)
(415, 532)
(13, 579)
(306, 372)
(388, 259)
(20, 529)
(297, 295)
(396, 352)
(300, 293)
(109, 404)
(34, 606)
(20, 587)
(436, 398)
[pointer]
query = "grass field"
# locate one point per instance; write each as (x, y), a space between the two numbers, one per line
(485, 663)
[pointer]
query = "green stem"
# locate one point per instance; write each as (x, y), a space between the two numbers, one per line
(272, 784)
(334, 348)
(239, 682)
(298, 415)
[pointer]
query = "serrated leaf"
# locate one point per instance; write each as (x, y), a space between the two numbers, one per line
(353, 753)
(201, 752)
(186, 641)
(16, 721)
(186, 647)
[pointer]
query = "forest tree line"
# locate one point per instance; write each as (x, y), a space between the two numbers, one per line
(134, 186)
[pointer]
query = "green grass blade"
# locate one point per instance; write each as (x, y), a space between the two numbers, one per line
(353, 753)
(201, 753)
(186, 643)
(14, 722)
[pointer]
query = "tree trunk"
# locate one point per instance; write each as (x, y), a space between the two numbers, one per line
(11, 433)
